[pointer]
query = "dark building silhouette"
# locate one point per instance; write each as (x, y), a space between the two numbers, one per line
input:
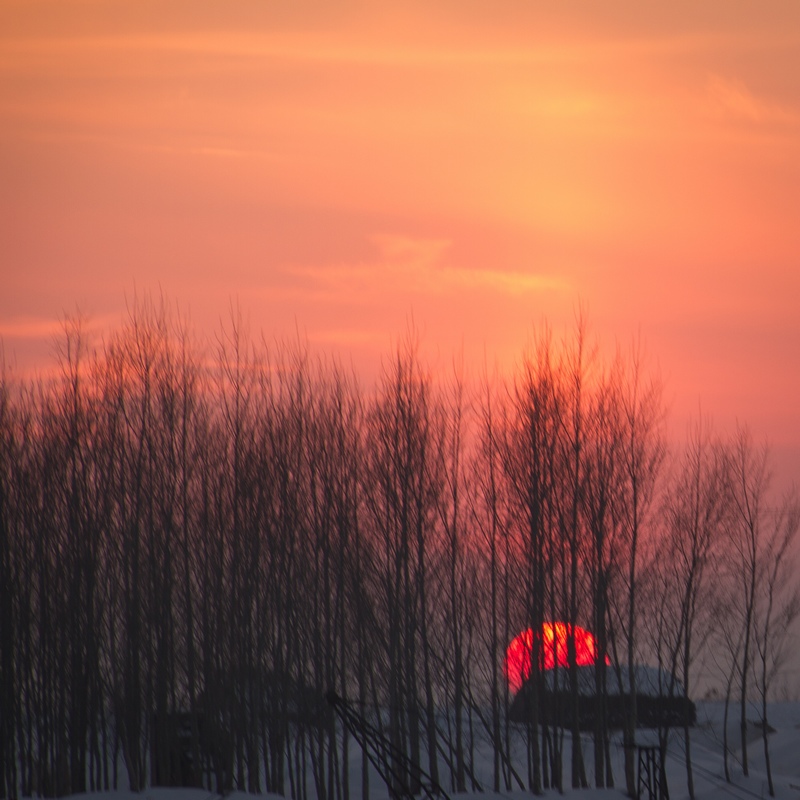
(660, 700)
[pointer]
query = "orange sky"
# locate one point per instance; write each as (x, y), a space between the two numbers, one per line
(338, 167)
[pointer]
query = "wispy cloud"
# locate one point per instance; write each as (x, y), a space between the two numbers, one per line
(416, 265)
(377, 45)
(29, 328)
(49, 328)
(732, 98)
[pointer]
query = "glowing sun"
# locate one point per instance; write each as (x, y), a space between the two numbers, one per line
(551, 643)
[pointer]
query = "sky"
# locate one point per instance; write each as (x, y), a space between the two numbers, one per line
(339, 169)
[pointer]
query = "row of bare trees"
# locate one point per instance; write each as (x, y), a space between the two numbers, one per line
(218, 534)
(721, 579)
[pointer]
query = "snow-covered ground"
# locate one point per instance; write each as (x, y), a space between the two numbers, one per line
(784, 748)
(706, 757)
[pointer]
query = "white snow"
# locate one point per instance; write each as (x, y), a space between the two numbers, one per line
(706, 758)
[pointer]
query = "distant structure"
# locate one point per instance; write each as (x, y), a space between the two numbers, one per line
(660, 700)
(186, 747)
(196, 748)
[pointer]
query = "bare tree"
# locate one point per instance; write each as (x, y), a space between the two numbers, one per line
(777, 605)
(10, 613)
(602, 493)
(486, 513)
(643, 452)
(402, 493)
(748, 481)
(694, 514)
(223, 539)
(453, 523)
(574, 440)
(529, 453)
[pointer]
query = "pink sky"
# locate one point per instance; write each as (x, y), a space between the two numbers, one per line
(340, 167)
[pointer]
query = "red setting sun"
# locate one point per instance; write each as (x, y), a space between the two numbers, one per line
(553, 638)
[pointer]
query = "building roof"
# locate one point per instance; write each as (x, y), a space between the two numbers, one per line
(649, 681)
